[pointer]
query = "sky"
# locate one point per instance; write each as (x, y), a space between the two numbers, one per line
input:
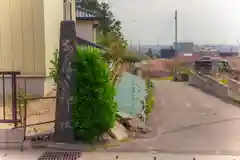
(200, 21)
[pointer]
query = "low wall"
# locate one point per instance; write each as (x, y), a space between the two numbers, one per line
(208, 84)
(196, 80)
(213, 86)
(234, 89)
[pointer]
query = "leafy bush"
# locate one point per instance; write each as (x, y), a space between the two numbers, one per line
(224, 81)
(132, 57)
(55, 66)
(94, 105)
(170, 78)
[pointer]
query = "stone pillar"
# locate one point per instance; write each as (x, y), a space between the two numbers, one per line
(63, 128)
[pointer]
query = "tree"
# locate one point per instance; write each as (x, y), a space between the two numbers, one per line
(132, 57)
(107, 22)
(114, 44)
(149, 53)
(109, 30)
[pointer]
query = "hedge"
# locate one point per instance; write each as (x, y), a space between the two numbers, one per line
(94, 105)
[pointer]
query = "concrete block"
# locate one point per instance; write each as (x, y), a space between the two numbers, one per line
(11, 135)
(119, 132)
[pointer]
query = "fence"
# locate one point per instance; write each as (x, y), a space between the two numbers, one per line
(21, 109)
(38, 117)
(13, 86)
(8, 112)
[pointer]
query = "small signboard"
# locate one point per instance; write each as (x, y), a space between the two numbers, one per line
(63, 128)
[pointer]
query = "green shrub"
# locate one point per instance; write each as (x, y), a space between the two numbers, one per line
(94, 106)
(224, 81)
(55, 66)
(170, 78)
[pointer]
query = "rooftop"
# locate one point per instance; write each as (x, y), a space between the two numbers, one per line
(85, 14)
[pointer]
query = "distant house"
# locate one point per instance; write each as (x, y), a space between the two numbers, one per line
(228, 52)
(184, 47)
(86, 23)
(208, 52)
(167, 52)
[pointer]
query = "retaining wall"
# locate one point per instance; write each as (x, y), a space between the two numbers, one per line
(234, 89)
(209, 84)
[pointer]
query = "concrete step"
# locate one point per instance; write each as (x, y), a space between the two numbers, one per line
(11, 135)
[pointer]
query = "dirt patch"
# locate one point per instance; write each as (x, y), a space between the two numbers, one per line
(38, 111)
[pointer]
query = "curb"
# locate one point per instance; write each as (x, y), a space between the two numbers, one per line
(16, 145)
(62, 146)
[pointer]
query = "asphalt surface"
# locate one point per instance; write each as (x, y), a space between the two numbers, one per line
(187, 120)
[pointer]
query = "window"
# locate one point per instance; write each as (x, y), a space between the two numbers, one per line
(67, 10)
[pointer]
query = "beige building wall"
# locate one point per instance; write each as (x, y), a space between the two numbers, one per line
(29, 34)
(52, 20)
(85, 30)
(22, 36)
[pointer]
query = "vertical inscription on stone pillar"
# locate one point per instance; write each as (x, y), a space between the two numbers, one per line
(63, 128)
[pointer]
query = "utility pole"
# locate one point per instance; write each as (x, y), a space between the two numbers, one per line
(176, 33)
(139, 46)
(131, 44)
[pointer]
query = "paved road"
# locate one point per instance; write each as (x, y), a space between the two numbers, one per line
(187, 120)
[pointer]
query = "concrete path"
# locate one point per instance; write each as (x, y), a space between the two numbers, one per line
(35, 155)
(152, 156)
(187, 120)
(184, 120)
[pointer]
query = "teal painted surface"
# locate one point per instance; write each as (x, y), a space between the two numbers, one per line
(131, 90)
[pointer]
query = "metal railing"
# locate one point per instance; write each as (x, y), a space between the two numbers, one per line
(24, 113)
(13, 96)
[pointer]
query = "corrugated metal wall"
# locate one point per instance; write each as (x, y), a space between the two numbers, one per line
(22, 36)
(29, 34)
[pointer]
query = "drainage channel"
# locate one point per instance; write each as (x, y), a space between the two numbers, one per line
(60, 155)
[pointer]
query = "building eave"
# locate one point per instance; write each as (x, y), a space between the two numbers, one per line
(85, 14)
(83, 42)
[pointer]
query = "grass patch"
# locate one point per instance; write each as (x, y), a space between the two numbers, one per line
(170, 78)
(104, 147)
(224, 81)
(150, 99)
(109, 145)
(126, 140)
